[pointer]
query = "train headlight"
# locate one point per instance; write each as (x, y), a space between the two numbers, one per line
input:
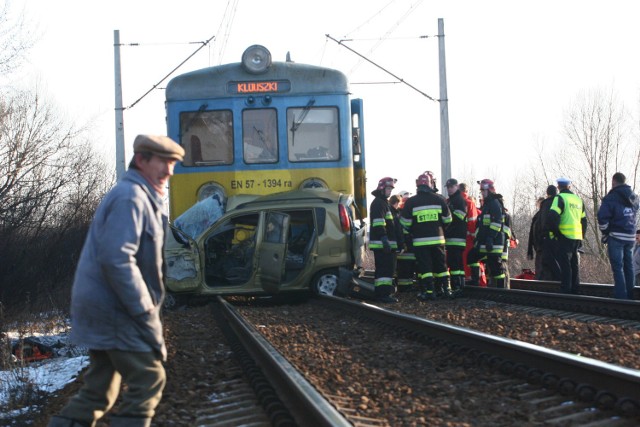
(256, 59)
(211, 189)
(314, 183)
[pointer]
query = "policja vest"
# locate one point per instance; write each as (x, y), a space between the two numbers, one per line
(571, 211)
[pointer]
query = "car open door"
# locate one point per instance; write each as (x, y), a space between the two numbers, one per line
(273, 250)
(182, 261)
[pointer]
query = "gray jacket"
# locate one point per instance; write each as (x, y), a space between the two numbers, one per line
(636, 260)
(118, 290)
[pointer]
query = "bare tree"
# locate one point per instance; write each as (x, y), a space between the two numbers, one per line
(51, 181)
(595, 128)
(16, 38)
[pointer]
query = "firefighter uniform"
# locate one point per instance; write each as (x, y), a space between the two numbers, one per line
(425, 216)
(567, 224)
(456, 235)
(490, 235)
(382, 240)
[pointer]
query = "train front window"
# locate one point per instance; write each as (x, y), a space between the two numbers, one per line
(207, 137)
(260, 136)
(313, 134)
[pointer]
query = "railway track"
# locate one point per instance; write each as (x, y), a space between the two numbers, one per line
(546, 386)
(588, 289)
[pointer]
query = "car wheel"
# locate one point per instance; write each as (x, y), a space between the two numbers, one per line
(325, 283)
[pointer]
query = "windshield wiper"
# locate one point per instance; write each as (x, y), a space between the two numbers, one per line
(296, 124)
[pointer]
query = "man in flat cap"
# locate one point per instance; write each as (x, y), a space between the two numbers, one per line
(566, 222)
(118, 292)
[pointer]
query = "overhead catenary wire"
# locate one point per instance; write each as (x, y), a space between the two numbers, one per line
(401, 80)
(202, 44)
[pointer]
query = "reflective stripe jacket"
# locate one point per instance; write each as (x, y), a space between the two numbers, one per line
(618, 212)
(425, 216)
(456, 233)
(491, 224)
(382, 223)
(567, 216)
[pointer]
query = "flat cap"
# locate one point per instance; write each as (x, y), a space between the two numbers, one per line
(160, 145)
(563, 181)
(451, 182)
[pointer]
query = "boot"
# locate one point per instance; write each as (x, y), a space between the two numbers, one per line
(427, 292)
(446, 288)
(130, 422)
(475, 276)
(57, 421)
(439, 290)
(457, 283)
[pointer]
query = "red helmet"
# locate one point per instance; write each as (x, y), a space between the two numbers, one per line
(425, 179)
(486, 184)
(386, 182)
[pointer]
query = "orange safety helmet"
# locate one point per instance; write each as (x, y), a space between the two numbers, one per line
(385, 182)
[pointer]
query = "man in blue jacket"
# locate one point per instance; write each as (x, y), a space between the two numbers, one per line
(118, 291)
(617, 221)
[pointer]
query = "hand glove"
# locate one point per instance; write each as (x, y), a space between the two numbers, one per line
(386, 247)
(604, 239)
(489, 244)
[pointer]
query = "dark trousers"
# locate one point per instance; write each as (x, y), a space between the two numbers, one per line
(385, 268)
(550, 268)
(142, 372)
(430, 264)
(567, 256)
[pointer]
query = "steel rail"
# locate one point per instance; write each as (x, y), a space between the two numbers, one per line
(621, 385)
(305, 403)
(609, 307)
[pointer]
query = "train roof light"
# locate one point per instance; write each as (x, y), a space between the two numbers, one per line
(256, 59)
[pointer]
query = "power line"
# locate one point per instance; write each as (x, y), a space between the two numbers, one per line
(202, 44)
(340, 42)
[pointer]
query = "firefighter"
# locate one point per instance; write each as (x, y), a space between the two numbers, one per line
(490, 234)
(566, 222)
(425, 216)
(382, 241)
(406, 259)
(456, 235)
(473, 268)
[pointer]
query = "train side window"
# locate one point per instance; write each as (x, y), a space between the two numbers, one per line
(313, 134)
(260, 136)
(207, 137)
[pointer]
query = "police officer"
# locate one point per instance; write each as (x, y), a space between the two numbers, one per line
(490, 234)
(456, 235)
(567, 222)
(382, 240)
(425, 216)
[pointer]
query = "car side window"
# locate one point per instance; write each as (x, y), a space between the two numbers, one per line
(274, 232)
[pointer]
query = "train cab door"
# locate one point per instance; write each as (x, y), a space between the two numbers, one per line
(272, 252)
(359, 169)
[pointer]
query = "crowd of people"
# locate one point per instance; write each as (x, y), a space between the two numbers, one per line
(559, 225)
(441, 244)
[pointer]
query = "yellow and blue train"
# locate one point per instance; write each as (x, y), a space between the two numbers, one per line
(259, 127)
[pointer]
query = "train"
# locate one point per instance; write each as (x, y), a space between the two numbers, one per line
(259, 126)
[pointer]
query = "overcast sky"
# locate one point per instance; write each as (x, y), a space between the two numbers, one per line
(513, 67)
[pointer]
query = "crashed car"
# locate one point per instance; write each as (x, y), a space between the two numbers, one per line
(295, 241)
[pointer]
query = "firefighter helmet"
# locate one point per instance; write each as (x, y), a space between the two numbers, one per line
(425, 179)
(386, 182)
(486, 184)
